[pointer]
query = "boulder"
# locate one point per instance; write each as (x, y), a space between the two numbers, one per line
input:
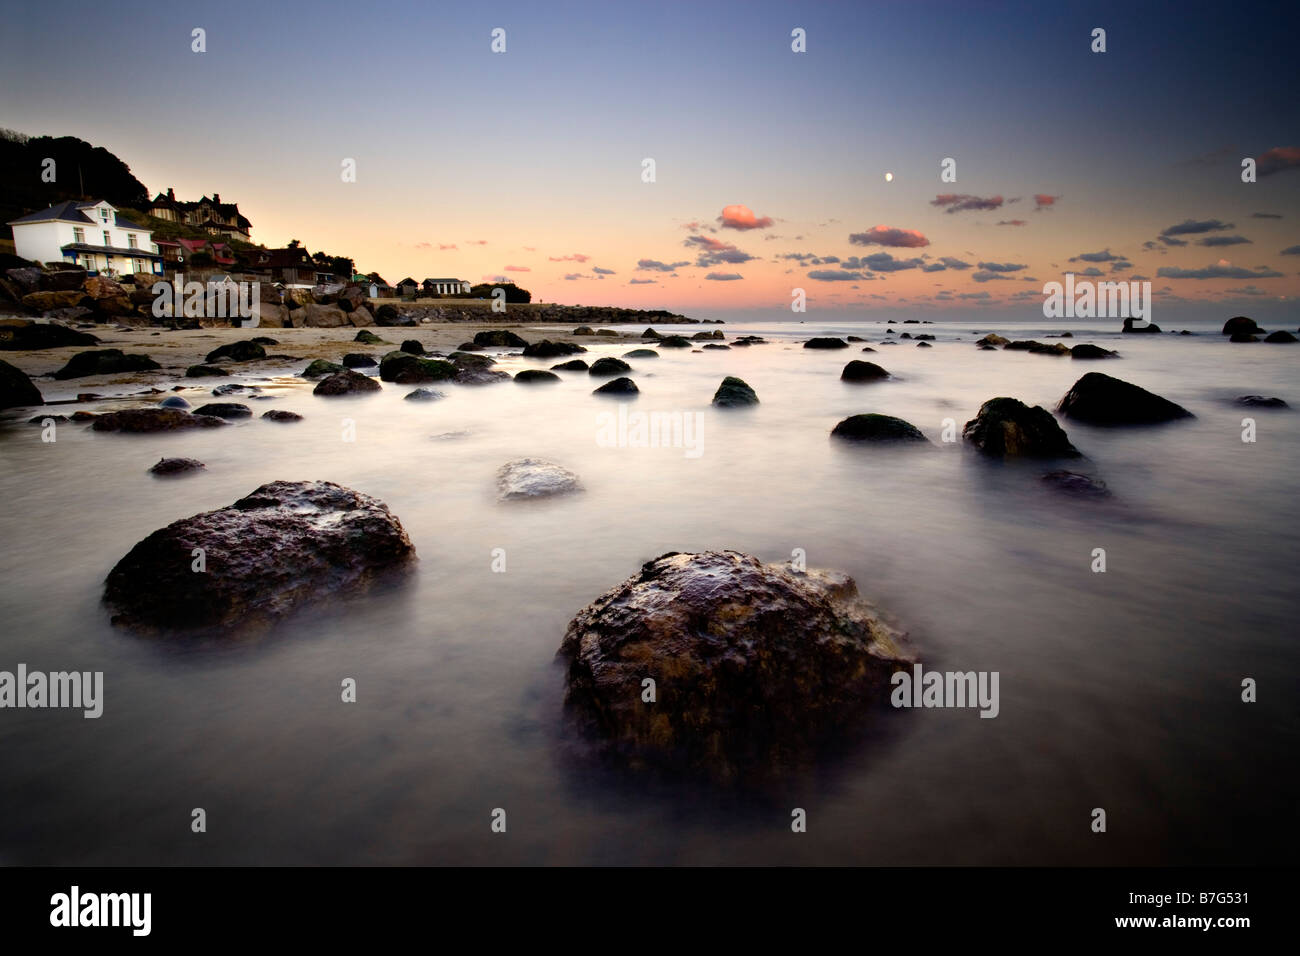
(992, 339)
(270, 315)
(406, 369)
(48, 300)
(1280, 336)
(1101, 400)
(168, 467)
(1008, 428)
(859, 371)
(878, 429)
(734, 393)
(319, 368)
(346, 382)
(1240, 323)
(534, 478)
(573, 365)
(148, 420)
(502, 338)
(650, 334)
(608, 366)
(411, 347)
(205, 371)
(674, 342)
(617, 386)
(1080, 486)
(366, 337)
(324, 316)
(280, 415)
(360, 316)
(173, 401)
(548, 349)
(1259, 401)
(1055, 348)
(1150, 327)
(1243, 337)
(759, 666)
(471, 360)
(16, 389)
(236, 352)
(535, 376)
(1087, 351)
(826, 343)
(583, 330)
(358, 360)
(23, 335)
(233, 388)
(642, 354)
(284, 545)
(227, 410)
(105, 362)
(102, 287)
(388, 315)
(424, 395)
(479, 376)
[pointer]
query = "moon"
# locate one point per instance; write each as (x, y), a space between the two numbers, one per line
(889, 177)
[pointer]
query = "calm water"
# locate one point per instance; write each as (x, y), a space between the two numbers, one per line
(1118, 690)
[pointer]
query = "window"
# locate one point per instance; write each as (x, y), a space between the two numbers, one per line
(103, 214)
(78, 235)
(108, 240)
(130, 240)
(139, 265)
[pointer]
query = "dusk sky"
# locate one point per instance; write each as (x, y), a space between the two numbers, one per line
(527, 164)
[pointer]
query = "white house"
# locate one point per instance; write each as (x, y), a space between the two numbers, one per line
(89, 234)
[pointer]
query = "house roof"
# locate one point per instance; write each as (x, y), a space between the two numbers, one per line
(69, 211)
(455, 281)
(109, 250)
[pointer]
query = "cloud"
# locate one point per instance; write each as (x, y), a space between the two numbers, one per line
(1120, 265)
(1277, 159)
(884, 262)
(1104, 256)
(693, 226)
(1091, 271)
(477, 242)
(716, 252)
(1190, 227)
(724, 276)
(889, 236)
(1248, 290)
(603, 272)
(1014, 222)
(574, 275)
(952, 263)
(445, 246)
(654, 265)
(1171, 241)
(988, 276)
(642, 281)
(1219, 270)
(1003, 266)
(1291, 251)
(1043, 201)
(933, 267)
(960, 202)
(833, 275)
(1222, 241)
(576, 257)
(974, 295)
(518, 269)
(424, 245)
(1266, 215)
(742, 217)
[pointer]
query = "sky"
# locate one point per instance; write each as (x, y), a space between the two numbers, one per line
(774, 170)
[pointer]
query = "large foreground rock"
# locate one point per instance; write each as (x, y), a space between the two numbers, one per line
(16, 388)
(1102, 400)
(1008, 428)
(406, 369)
(157, 419)
(346, 382)
(756, 666)
(21, 335)
(284, 545)
(734, 393)
(884, 429)
(534, 478)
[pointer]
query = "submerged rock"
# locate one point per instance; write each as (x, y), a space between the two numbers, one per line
(878, 428)
(534, 478)
(366, 337)
(1087, 351)
(674, 342)
(609, 366)
(411, 347)
(618, 386)
(424, 395)
(499, 337)
(168, 467)
(174, 401)
(18, 336)
(1240, 323)
(827, 343)
(406, 369)
(1081, 486)
(279, 415)
(757, 666)
(1008, 428)
(536, 376)
(206, 371)
(144, 420)
(224, 410)
(265, 555)
(320, 368)
(1279, 336)
(573, 365)
(1259, 401)
(236, 352)
(358, 360)
(16, 389)
(105, 362)
(548, 349)
(642, 353)
(1150, 327)
(1101, 400)
(734, 393)
(346, 382)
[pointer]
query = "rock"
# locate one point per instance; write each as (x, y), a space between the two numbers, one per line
(16, 389)
(102, 287)
(388, 315)
(858, 371)
(674, 342)
(279, 415)
(924, 337)
(146, 420)
(270, 315)
(583, 330)
(173, 401)
(1240, 323)
(264, 340)
(105, 362)
(22, 335)
(503, 338)
(470, 347)
(650, 334)
(1102, 400)
(233, 389)
(284, 545)
(827, 343)
(1150, 327)
(346, 382)
(479, 376)
(609, 333)
(226, 410)
(403, 368)
(924, 345)
(366, 337)
(734, 393)
(878, 428)
(358, 360)
(573, 365)
(617, 386)
(205, 371)
(1022, 345)
(867, 348)
(1056, 348)
(1087, 351)
(42, 419)
(642, 354)
(535, 376)
(760, 666)
(854, 338)
(1081, 486)
(167, 467)
(1008, 428)
(1243, 337)
(715, 346)
(83, 416)
(412, 347)
(27, 278)
(548, 349)
(534, 478)
(471, 360)
(1066, 335)
(608, 366)
(705, 336)
(237, 352)
(324, 316)
(983, 348)
(424, 395)
(319, 368)
(1259, 401)
(1279, 337)
(49, 301)
(905, 335)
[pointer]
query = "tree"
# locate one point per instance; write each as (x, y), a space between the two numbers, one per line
(514, 294)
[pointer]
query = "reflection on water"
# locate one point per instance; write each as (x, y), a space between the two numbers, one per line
(1118, 690)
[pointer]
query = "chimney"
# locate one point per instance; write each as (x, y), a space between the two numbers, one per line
(216, 199)
(171, 194)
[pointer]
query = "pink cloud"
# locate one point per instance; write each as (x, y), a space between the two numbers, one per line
(576, 257)
(448, 246)
(742, 217)
(889, 236)
(1044, 201)
(1277, 159)
(518, 269)
(1013, 222)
